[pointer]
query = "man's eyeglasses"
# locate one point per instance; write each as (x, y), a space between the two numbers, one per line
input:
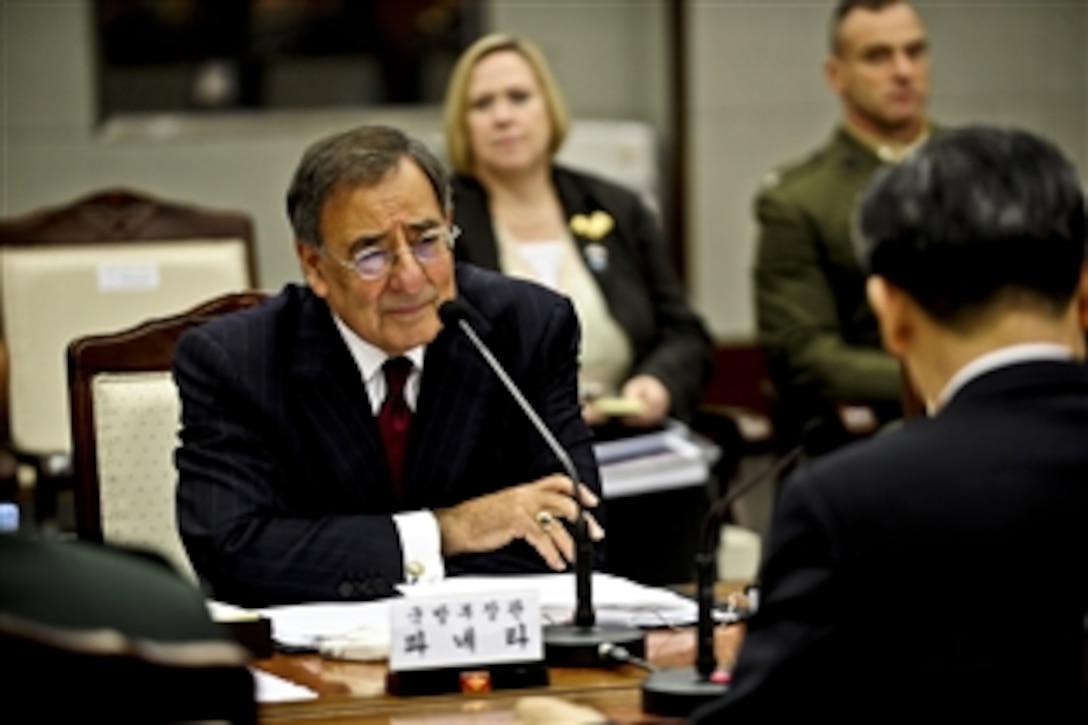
(373, 263)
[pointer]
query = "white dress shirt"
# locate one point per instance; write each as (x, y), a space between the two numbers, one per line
(420, 539)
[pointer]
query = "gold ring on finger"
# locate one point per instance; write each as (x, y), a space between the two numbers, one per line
(545, 519)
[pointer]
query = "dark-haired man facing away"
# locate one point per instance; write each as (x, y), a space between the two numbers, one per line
(940, 572)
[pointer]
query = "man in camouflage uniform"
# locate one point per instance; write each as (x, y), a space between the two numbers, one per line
(820, 336)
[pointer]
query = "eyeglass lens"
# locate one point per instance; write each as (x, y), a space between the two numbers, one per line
(373, 263)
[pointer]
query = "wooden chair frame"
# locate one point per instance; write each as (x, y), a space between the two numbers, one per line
(125, 215)
(146, 347)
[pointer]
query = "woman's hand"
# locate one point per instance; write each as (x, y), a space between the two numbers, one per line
(654, 397)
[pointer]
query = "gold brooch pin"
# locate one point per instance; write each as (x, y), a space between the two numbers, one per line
(595, 226)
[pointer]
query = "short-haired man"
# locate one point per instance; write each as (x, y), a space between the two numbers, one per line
(338, 439)
(941, 570)
(821, 339)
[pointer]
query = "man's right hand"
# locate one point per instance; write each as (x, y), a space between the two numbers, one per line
(530, 511)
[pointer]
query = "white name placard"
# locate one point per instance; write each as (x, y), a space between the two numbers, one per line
(128, 277)
(465, 630)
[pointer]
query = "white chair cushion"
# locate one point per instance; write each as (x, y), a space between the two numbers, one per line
(136, 421)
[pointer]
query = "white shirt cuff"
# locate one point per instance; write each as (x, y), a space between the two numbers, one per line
(421, 544)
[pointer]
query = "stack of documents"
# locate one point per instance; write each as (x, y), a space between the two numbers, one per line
(332, 626)
(659, 460)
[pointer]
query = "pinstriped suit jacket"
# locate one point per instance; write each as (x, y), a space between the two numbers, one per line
(284, 492)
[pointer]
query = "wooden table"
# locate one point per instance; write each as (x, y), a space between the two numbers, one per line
(355, 691)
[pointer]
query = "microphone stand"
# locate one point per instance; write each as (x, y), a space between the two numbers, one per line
(583, 643)
(677, 692)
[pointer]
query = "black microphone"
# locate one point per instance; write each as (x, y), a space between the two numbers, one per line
(577, 644)
(677, 692)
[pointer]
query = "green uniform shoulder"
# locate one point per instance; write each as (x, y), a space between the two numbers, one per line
(798, 171)
(835, 168)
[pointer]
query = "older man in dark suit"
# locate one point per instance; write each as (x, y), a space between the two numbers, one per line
(338, 439)
(940, 571)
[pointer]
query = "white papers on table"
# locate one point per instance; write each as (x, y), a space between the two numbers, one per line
(661, 460)
(334, 628)
(616, 600)
(362, 630)
(271, 688)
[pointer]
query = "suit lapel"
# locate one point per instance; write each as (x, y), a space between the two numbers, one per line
(332, 400)
(455, 400)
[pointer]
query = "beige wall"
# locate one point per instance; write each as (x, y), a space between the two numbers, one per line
(758, 99)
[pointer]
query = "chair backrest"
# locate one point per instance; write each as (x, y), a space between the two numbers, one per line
(67, 675)
(125, 416)
(102, 262)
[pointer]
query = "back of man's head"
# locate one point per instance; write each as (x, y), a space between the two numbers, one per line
(977, 218)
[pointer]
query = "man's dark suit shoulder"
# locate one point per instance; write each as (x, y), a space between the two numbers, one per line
(891, 557)
(982, 404)
(255, 324)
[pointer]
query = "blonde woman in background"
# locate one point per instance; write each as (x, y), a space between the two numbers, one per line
(646, 355)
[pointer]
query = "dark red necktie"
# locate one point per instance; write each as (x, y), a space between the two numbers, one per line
(395, 417)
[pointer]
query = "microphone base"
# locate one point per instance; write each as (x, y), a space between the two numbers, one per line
(568, 645)
(676, 693)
